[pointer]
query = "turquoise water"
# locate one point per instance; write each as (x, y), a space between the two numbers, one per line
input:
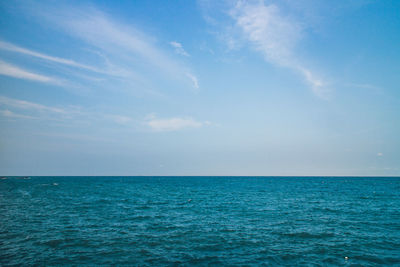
(153, 221)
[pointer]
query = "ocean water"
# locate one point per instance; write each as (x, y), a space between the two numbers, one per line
(189, 221)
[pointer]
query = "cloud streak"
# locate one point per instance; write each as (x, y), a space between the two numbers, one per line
(22, 104)
(9, 114)
(14, 48)
(19, 73)
(119, 119)
(124, 43)
(172, 124)
(275, 36)
(20, 109)
(193, 79)
(179, 49)
(70, 114)
(111, 51)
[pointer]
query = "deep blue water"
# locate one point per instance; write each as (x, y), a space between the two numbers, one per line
(153, 221)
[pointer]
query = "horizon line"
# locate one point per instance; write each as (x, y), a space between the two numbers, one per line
(278, 176)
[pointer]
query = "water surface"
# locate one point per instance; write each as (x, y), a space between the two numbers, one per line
(148, 221)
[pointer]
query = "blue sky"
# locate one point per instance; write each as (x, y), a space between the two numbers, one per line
(204, 87)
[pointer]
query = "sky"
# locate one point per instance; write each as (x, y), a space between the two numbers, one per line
(271, 88)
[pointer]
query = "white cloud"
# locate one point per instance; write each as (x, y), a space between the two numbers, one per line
(272, 34)
(367, 87)
(125, 44)
(112, 50)
(317, 85)
(275, 36)
(172, 124)
(22, 104)
(108, 69)
(18, 49)
(9, 114)
(194, 80)
(380, 154)
(70, 114)
(120, 119)
(179, 48)
(19, 73)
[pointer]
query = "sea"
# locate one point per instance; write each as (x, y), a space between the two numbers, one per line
(200, 221)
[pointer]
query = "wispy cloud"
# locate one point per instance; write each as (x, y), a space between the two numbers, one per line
(366, 86)
(79, 116)
(318, 86)
(127, 46)
(107, 70)
(194, 80)
(18, 49)
(270, 32)
(179, 48)
(22, 104)
(19, 73)
(9, 114)
(17, 108)
(273, 34)
(123, 120)
(111, 51)
(172, 124)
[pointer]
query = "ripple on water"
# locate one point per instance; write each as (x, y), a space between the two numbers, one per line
(147, 221)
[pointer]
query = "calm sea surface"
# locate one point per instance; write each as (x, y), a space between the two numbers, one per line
(165, 221)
